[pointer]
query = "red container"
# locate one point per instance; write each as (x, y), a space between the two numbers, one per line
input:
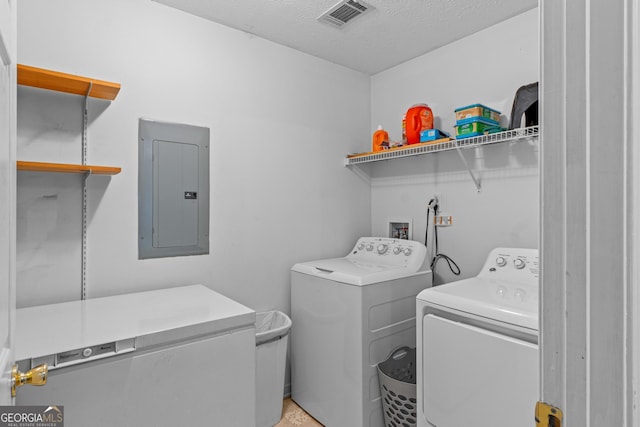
(419, 118)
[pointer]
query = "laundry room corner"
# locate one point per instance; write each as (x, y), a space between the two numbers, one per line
(280, 123)
(502, 209)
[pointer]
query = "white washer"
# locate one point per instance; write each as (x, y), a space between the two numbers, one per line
(348, 315)
(477, 352)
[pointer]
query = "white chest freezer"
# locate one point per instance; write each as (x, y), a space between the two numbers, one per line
(178, 356)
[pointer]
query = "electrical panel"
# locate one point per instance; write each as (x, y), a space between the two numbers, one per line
(173, 189)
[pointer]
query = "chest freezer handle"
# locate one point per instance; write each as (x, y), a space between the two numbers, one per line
(35, 376)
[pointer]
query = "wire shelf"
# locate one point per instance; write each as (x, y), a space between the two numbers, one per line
(453, 144)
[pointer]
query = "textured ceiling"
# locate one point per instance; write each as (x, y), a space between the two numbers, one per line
(393, 32)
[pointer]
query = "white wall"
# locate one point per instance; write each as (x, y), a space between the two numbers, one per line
(487, 67)
(281, 123)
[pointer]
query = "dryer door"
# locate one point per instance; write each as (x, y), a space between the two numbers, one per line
(474, 377)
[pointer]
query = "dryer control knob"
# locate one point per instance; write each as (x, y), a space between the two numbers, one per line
(501, 261)
(369, 247)
(361, 246)
(397, 250)
(382, 249)
(518, 263)
(407, 251)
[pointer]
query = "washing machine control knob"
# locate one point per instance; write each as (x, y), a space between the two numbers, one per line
(361, 246)
(370, 247)
(397, 250)
(382, 249)
(518, 263)
(407, 251)
(501, 261)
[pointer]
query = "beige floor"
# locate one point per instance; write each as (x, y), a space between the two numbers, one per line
(294, 416)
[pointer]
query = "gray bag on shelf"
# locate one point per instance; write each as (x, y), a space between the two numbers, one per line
(525, 102)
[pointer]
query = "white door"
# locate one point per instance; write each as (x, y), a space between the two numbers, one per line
(7, 192)
(589, 281)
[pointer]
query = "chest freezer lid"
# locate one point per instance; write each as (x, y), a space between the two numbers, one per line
(355, 272)
(152, 317)
(499, 300)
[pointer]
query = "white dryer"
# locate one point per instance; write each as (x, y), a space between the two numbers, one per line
(348, 314)
(477, 353)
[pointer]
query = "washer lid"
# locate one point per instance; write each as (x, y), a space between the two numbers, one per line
(499, 300)
(355, 272)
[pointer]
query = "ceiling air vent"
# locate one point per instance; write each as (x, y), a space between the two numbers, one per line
(344, 12)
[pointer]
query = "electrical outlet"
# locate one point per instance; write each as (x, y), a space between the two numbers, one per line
(443, 220)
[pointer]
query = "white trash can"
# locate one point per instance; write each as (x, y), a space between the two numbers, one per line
(272, 333)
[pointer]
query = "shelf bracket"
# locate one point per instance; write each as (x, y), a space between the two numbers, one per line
(466, 165)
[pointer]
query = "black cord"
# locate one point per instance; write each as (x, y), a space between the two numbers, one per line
(426, 232)
(435, 232)
(452, 264)
(438, 256)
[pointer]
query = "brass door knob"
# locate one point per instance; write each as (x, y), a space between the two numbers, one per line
(35, 376)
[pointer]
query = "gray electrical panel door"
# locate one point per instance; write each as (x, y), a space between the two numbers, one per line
(173, 186)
